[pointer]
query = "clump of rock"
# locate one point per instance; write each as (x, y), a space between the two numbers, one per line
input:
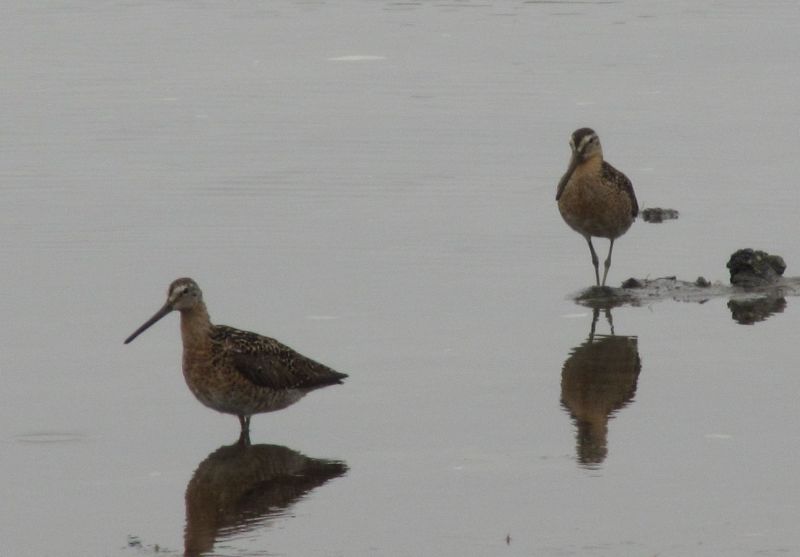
(754, 268)
(657, 214)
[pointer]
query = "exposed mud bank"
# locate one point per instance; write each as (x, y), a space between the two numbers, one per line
(757, 289)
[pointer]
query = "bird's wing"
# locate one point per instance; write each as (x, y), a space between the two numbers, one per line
(614, 176)
(268, 363)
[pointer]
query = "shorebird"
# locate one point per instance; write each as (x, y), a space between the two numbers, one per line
(234, 371)
(594, 198)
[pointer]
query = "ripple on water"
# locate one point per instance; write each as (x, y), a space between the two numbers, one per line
(51, 437)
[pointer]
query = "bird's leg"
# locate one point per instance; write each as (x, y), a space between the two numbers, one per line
(610, 321)
(595, 261)
(595, 315)
(244, 436)
(608, 262)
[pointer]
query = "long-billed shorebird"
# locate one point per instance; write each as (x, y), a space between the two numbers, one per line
(234, 371)
(594, 198)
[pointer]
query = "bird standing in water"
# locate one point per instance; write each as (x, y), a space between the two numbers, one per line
(234, 371)
(594, 198)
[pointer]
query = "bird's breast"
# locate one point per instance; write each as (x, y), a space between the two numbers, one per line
(592, 207)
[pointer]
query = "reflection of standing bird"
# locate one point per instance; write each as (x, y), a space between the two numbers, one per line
(233, 371)
(238, 487)
(597, 379)
(594, 198)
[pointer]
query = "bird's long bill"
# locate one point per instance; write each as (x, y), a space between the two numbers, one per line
(573, 163)
(158, 315)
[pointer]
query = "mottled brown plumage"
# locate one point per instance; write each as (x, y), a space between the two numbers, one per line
(594, 198)
(234, 371)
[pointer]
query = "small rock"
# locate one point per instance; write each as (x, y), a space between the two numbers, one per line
(751, 268)
(657, 214)
(632, 283)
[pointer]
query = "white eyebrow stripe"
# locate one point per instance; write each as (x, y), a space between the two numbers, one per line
(585, 140)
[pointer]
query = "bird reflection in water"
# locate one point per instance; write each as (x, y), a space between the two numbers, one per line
(598, 379)
(237, 488)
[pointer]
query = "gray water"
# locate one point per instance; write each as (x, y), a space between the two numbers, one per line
(373, 184)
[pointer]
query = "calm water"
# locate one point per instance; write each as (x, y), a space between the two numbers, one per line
(373, 184)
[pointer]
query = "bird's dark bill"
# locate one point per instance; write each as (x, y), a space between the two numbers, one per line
(158, 315)
(573, 164)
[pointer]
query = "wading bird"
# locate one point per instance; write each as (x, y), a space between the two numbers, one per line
(234, 371)
(594, 198)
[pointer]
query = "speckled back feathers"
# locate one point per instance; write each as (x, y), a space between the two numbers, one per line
(265, 362)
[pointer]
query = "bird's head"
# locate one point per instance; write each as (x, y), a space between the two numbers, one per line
(183, 295)
(585, 144)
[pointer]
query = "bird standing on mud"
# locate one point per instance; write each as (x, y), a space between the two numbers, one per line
(594, 198)
(234, 371)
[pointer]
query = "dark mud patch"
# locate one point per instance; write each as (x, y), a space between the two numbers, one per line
(758, 288)
(755, 268)
(638, 292)
(657, 214)
(748, 305)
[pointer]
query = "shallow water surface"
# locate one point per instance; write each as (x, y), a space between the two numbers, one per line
(373, 184)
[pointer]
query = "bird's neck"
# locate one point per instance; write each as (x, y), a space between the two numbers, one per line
(195, 327)
(592, 165)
